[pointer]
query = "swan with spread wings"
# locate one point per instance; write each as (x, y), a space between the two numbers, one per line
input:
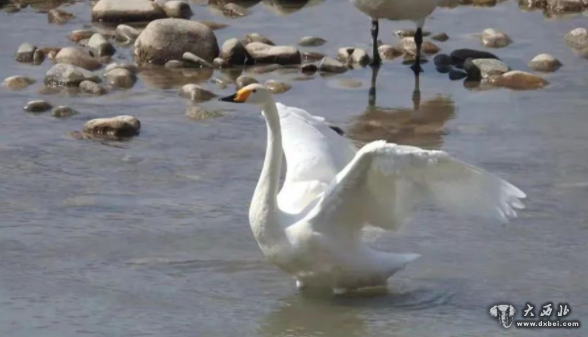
(312, 226)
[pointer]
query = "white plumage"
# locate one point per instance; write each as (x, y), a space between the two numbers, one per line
(312, 228)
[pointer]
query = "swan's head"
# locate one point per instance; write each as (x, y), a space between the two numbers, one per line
(253, 94)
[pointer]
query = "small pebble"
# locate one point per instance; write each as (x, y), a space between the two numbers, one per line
(37, 106)
(545, 63)
(17, 82)
(92, 88)
(441, 37)
(277, 87)
(58, 17)
(64, 112)
(494, 39)
(198, 113)
(311, 41)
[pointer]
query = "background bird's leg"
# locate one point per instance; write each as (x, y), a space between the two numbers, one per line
(376, 61)
(372, 92)
(418, 40)
(416, 94)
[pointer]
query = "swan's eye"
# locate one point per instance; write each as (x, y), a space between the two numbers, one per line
(254, 90)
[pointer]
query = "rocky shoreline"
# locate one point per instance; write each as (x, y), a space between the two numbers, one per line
(171, 41)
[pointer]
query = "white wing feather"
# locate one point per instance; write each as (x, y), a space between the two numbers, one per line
(314, 155)
(384, 181)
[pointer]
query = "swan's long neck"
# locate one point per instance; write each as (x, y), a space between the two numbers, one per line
(264, 214)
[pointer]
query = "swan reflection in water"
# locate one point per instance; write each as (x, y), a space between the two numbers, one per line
(423, 125)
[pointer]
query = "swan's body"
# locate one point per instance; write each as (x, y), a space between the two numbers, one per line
(397, 10)
(312, 227)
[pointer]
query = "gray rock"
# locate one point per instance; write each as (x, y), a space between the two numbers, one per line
(126, 11)
(311, 41)
(38, 106)
(58, 17)
(177, 9)
(519, 80)
(196, 93)
(113, 128)
(243, 81)
(264, 53)
(79, 35)
(254, 37)
(233, 10)
(489, 67)
(128, 66)
(120, 78)
(312, 56)
(494, 39)
(198, 113)
(68, 75)
(388, 52)
(545, 63)
(194, 60)
(277, 87)
(220, 63)
(168, 39)
(101, 46)
(441, 37)
(566, 6)
(91, 88)
(77, 57)
(577, 38)
(64, 112)
(330, 65)
(234, 52)
(308, 69)
(175, 64)
(408, 46)
(17, 82)
(25, 53)
(126, 34)
(353, 56)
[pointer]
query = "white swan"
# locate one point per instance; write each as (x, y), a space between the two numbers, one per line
(312, 228)
(413, 10)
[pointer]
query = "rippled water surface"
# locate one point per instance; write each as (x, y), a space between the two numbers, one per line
(150, 237)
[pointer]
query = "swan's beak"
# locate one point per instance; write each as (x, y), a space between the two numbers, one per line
(239, 97)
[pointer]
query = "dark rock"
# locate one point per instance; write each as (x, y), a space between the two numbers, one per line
(264, 53)
(37, 106)
(168, 39)
(455, 74)
(38, 56)
(330, 65)
(566, 6)
(442, 60)
(17, 82)
(101, 46)
(234, 52)
(312, 56)
(473, 72)
(126, 11)
(196, 93)
(68, 75)
(58, 17)
(25, 53)
(89, 87)
(118, 127)
(120, 78)
(64, 112)
(77, 57)
(308, 69)
(48, 52)
(311, 41)
(177, 9)
(443, 69)
(277, 87)
(545, 63)
(533, 4)
(459, 56)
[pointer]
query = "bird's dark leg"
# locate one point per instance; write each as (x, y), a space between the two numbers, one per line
(416, 94)
(376, 61)
(372, 92)
(418, 40)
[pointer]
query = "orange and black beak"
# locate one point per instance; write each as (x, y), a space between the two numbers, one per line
(239, 97)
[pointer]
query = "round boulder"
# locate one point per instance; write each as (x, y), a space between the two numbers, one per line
(126, 11)
(120, 78)
(17, 82)
(577, 38)
(168, 39)
(68, 75)
(519, 80)
(494, 39)
(38, 106)
(545, 63)
(113, 128)
(77, 57)
(196, 93)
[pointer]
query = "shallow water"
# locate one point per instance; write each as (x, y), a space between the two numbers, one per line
(149, 237)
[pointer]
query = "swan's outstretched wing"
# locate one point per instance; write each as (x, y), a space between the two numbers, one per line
(384, 181)
(314, 155)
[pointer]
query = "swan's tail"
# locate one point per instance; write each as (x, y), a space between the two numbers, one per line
(397, 262)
